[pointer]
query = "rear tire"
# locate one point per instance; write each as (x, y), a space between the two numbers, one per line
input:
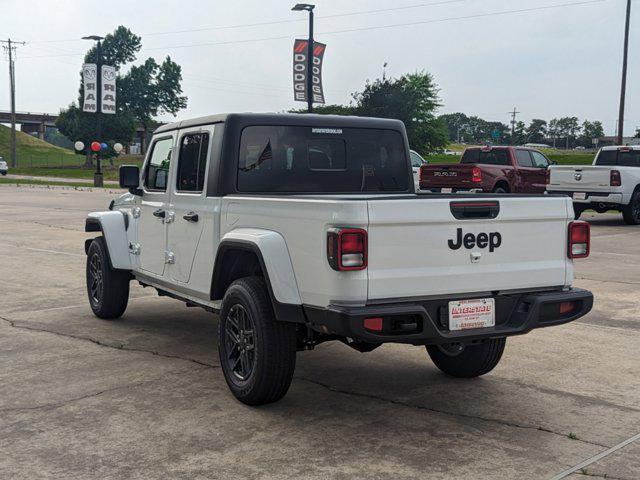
(257, 352)
(108, 289)
(500, 189)
(577, 211)
(467, 361)
(631, 212)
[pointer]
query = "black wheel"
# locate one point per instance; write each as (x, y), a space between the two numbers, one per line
(631, 212)
(500, 189)
(108, 289)
(257, 352)
(577, 211)
(4, 173)
(467, 361)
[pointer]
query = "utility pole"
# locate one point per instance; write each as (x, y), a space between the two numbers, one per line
(10, 49)
(623, 87)
(513, 123)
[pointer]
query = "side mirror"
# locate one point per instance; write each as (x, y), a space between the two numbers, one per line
(130, 178)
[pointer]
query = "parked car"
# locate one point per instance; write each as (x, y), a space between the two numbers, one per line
(4, 169)
(416, 162)
(489, 169)
(301, 229)
(450, 152)
(612, 182)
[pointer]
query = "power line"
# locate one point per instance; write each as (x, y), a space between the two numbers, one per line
(378, 27)
(276, 22)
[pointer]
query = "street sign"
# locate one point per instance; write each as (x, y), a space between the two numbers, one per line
(108, 104)
(300, 71)
(89, 76)
(495, 134)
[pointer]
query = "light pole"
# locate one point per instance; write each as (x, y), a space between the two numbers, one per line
(309, 8)
(97, 176)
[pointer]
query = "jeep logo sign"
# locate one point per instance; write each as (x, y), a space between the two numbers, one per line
(483, 240)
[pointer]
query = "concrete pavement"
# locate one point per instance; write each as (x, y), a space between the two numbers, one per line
(143, 397)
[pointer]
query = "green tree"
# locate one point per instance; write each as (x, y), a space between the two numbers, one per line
(590, 130)
(412, 98)
(150, 89)
(568, 128)
(457, 125)
(536, 131)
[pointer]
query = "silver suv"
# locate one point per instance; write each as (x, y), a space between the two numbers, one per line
(3, 167)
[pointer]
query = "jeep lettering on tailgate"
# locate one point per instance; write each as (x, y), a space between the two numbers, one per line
(483, 240)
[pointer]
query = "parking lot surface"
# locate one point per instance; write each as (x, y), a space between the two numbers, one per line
(144, 397)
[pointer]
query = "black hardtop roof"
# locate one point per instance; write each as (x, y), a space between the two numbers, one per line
(287, 119)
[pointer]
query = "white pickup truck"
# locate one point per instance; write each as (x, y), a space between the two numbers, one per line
(299, 229)
(611, 183)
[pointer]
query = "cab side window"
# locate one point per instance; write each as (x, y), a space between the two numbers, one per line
(157, 172)
(539, 160)
(192, 162)
(524, 158)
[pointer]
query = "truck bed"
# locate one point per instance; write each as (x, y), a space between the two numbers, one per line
(416, 246)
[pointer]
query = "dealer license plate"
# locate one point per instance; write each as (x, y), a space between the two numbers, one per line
(466, 314)
(579, 196)
(446, 190)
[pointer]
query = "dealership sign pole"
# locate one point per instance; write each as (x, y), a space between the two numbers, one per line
(99, 98)
(307, 65)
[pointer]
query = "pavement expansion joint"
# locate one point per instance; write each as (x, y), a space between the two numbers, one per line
(115, 346)
(321, 384)
(445, 412)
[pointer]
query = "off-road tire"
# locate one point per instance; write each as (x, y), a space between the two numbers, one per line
(471, 361)
(631, 212)
(577, 211)
(107, 289)
(271, 365)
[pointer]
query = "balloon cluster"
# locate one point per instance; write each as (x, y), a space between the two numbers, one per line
(97, 146)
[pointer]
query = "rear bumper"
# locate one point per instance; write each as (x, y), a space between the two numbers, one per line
(595, 197)
(451, 189)
(426, 322)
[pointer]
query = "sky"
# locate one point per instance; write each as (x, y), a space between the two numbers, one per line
(486, 56)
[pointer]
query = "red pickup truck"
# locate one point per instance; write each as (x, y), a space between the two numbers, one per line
(489, 169)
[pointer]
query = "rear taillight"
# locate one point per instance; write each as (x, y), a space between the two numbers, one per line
(347, 248)
(476, 174)
(421, 174)
(579, 240)
(614, 178)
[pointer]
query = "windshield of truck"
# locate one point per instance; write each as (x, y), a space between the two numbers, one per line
(486, 157)
(322, 160)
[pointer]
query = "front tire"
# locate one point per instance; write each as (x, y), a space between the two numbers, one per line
(108, 289)
(631, 212)
(257, 352)
(467, 361)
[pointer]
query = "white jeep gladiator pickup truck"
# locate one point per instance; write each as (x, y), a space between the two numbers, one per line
(611, 183)
(298, 229)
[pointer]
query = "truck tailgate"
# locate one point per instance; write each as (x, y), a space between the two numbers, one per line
(443, 175)
(579, 178)
(416, 247)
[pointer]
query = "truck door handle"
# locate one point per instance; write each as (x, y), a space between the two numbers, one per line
(160, 213)
(191, 217)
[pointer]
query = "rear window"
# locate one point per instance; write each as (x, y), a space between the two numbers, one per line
(486, 157)
(321, 160)
(629, 158)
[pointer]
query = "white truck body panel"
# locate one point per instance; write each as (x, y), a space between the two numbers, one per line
(595, 179)
(116, 237)
(409, 254)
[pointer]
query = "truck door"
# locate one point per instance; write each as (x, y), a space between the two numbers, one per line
(190, 206)
(526, 172)
(153, 206)
(541, 163)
